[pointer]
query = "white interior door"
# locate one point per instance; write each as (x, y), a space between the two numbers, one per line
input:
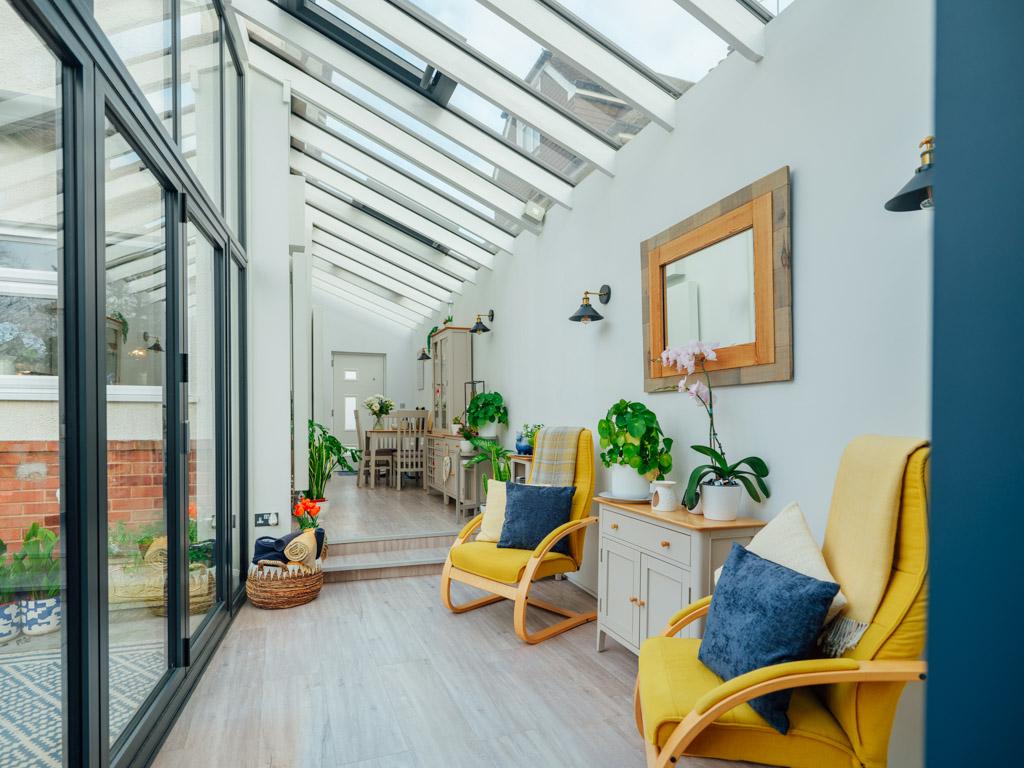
(356, 377)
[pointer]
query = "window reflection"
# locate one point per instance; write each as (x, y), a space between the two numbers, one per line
(201, 92)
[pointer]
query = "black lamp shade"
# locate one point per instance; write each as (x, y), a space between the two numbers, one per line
(155, 346)
(423, 354)
(916, 193)
(479, 327)
(586, 314)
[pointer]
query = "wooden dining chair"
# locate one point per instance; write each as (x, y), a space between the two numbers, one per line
(383, 458)
(409, 456)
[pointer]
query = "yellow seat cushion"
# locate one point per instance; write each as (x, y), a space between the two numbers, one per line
(484, 558)
(672, 679)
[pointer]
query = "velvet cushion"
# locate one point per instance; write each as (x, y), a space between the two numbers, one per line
(532, 512)
(761, 614)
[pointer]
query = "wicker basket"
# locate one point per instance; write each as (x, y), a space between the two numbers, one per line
(285, 591)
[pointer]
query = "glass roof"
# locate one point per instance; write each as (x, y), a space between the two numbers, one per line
(657, 33)
(368, 32)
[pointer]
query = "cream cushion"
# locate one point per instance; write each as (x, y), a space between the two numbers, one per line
(787, 540)
(494, 513)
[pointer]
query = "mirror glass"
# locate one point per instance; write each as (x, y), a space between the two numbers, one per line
(709, 294)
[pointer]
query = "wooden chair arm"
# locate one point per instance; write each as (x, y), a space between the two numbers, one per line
(796, 674)
(560, 533)
(471, 526)
(688, 614)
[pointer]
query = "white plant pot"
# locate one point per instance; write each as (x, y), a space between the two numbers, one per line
(40, 617)
(627, 483)
(465, 446)
(489, 430)
(721, 502)
(10, 622)
(456, 428)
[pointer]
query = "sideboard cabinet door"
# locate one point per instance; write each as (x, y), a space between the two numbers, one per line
(619, 590)
(664, 589)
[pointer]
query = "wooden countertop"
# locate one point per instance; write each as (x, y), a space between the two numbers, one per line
(681, 517)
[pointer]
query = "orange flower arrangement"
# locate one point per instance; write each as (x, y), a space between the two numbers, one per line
(306, 512)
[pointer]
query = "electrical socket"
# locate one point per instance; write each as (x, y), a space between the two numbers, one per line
(266, 519)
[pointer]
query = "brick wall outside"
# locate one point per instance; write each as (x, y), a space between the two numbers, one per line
(30, 478)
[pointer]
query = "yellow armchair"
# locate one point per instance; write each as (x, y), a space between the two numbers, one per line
(508, 574)
(842, 708)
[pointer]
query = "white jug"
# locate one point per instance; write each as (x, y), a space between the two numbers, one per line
(666, 497)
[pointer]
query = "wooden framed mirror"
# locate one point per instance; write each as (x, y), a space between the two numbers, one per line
(723, 276)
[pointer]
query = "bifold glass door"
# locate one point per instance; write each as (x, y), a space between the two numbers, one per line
(32, 404)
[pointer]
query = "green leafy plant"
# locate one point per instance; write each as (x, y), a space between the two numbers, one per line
(467, 432)
(326, 454)
(9, 573)
(36, 562)
(530, 432)
(687, 359)
(631, 437)
(485, 408)
(492, 451)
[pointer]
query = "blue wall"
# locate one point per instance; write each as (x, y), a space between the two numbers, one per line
(975, 640)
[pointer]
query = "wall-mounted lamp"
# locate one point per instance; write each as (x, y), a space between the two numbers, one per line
(586, 313)
(156, 346)
(917, 193)
(478, 326)
(423, 354)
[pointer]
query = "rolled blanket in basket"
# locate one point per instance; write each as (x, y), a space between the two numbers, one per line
(269, 548)
(302, 549)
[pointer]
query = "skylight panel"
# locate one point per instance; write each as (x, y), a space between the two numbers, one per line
(367, 31)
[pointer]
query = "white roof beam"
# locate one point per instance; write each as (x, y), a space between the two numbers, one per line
(472, 73)
(339, 230)
(372, 291)
(316, 169)
(413, 149)
(732, 22)
(426, 301)
(477, 140)
(358, 301)
(337, 245)
(387, 235)
(545, 25)
(314, 136)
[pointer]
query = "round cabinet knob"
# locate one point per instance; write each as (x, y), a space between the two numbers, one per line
(633, 600)
(641, 603)
(614, 526)
(666, 544)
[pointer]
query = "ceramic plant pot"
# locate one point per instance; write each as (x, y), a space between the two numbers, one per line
(465, 446)
(40, 617)
(489, 430)
(627, 483)
(523, 446)
(456, 428)
(10, 622)
(721, 502)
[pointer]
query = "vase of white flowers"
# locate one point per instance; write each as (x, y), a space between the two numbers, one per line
(379, 407)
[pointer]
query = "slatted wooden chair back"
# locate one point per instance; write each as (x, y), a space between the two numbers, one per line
(411, 449)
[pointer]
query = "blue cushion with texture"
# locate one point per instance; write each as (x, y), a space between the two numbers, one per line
(532, 512)
(761, 614)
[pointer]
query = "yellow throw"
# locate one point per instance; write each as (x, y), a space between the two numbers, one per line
(861, 531)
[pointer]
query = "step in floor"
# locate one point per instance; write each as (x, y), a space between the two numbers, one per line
(418, 561)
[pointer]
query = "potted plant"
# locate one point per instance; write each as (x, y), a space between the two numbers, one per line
(326, 454)
(491, 450)
(379, 407)
(634, 448)
(306, 513)
(468, 433)
(485, 412)
(526, 438)
(717, 486)
(458, 422)
(40, 606)
(10, 618)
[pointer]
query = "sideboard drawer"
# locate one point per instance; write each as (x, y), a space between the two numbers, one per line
(667, 542)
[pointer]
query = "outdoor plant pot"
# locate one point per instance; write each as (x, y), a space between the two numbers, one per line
(627, 483)
(40, 617)
(10, 624)
(721, 502)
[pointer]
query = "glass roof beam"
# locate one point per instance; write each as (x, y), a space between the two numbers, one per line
(456, 128)
(360, 301)
(370, 288)
(559, 35)
(382, 279)
(732, 22)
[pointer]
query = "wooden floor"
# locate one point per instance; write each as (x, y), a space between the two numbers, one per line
(377, 674)
(359, 513)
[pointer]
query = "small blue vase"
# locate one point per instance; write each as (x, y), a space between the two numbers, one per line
(523, 446)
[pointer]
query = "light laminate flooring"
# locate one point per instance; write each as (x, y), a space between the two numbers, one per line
(358, 513)
(377, 674)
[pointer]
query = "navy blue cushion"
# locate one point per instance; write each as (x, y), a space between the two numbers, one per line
(532, 512)
(761, 614)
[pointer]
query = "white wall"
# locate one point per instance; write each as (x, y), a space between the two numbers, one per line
(346, 328)
(842, 96)
(269, 324)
